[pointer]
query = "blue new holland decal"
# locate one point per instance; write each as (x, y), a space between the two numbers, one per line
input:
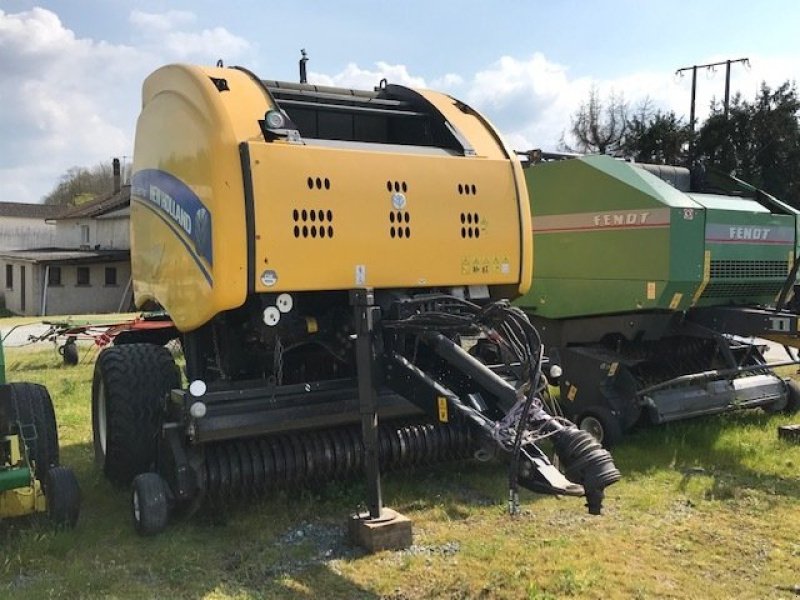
(180, 208)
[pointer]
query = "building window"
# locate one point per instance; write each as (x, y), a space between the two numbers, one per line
(9, 277)
(84, 235)
(54, 276)
(111, 275)
(83, 276)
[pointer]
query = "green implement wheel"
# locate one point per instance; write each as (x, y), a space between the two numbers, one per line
(28, 412)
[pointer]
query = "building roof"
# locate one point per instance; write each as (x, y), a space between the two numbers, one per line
(66, 256)
(30, 211)
(98, 206)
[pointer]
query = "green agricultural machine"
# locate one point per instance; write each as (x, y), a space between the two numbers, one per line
(650, 284)
(31, 480)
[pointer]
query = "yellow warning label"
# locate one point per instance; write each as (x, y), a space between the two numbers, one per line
(676, 300)
(706, 277)
(442, 409)
(573, 391)
(311, 325)
(651, 290)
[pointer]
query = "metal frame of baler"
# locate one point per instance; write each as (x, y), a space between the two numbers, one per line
(591, 372)
(246, 410)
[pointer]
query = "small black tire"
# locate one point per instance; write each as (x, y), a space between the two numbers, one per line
(63, 497)
(29, 412)
(601, 423)
(792, 397)
(69, 352)
(149, 504)
(129, 387)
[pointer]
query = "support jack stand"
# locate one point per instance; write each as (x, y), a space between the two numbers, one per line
(380, 528)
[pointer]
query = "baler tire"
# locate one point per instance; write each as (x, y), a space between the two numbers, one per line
(128, 390)
(792, 397)
(149, 505)
(30, 406)
(63, 497)
(602, 425)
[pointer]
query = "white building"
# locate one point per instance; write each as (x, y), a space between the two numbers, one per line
(27, 225)
(86, 269)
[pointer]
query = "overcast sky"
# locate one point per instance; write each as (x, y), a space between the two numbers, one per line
(71, 70)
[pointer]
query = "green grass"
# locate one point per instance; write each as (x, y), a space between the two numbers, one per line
(709, 508)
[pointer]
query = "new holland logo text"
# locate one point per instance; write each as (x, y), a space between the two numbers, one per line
(748, 233)
(163, 200)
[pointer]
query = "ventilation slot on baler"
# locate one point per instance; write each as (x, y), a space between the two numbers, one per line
(313, 223)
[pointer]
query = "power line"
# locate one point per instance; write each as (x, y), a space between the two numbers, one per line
(710, 66)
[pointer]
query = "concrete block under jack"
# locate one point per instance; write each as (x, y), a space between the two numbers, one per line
(390, 531)
(790, 433)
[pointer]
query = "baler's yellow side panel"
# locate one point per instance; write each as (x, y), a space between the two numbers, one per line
(526, 221)
(329, 219)
(474, 128)
(477, 129)
(188, 233)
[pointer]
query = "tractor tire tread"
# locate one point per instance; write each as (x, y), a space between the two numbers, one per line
(136, 378)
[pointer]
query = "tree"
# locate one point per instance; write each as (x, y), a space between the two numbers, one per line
(81, 184)
(599, 127)
(657, 137)
(759, 142)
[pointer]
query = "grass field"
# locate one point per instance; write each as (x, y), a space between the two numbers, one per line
(707, 509)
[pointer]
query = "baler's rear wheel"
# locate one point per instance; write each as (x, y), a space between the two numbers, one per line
(149, 505)
(602, 425)
(31, 409)
(128, 391)
(63, 497)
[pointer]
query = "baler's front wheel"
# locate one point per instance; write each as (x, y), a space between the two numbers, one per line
(30, 408)
(63, 497)
(149, 505)
(128, 391)
(602, 425)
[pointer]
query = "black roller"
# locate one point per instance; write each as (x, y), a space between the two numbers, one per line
(258, 466)
(243, 468)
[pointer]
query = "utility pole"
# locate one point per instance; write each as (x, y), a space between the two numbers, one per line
(710, 66)
(726, 104)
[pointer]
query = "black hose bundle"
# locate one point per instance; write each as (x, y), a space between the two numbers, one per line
(527, 422)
